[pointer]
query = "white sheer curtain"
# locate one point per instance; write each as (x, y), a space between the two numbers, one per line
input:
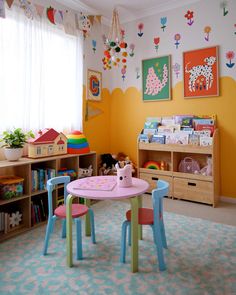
(41, 71)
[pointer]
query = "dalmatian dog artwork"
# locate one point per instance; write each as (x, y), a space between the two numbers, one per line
(199, 71)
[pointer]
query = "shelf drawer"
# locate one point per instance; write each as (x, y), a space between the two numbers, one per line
(152, 180)
(194, 190)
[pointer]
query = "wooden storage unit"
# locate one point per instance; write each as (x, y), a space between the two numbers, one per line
(194, 187)
(23, 168)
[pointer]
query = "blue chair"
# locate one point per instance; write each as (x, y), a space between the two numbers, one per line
(78, 210)
(152, 217)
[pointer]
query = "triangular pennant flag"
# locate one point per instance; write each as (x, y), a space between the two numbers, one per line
(92, 112)
(69, 23)
(2, 9)
(39, 8)
(9, 3)
(28, 8)
(91, 18)
(98, 18)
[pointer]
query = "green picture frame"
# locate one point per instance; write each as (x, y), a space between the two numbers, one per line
(156, 78)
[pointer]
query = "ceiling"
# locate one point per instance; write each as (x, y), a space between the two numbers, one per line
(128, 10)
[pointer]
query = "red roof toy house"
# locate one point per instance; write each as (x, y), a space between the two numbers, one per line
(47, 143)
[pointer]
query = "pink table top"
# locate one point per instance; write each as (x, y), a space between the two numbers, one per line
(105, 187)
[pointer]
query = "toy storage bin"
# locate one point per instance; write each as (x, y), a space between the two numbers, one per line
(11, 186)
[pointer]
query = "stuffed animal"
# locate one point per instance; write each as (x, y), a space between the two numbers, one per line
(124, 175)
(84, 172)
(107, 165)
(207, 170)
(123, 160)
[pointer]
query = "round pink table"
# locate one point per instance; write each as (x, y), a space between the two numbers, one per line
(105, 188)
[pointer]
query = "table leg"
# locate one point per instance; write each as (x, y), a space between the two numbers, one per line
(69, 250)
(87, 220)
(134, 234)
(140, 231)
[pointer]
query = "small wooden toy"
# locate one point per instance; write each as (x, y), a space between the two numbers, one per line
(47, 143)
(152, 165)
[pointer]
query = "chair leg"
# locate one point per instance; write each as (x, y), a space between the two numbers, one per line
(159, 248)
(49, 230)
(91, 215)
(163, 234)
(63, 231)
(54, 218)
(129, 234)
(153, 231)
(79, 253)
(123, 241)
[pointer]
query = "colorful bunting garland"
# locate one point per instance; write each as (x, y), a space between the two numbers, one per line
(71, 21)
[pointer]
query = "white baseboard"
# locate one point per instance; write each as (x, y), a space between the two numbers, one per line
(228, 200)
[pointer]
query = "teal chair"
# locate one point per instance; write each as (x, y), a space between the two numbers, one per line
(78, 210)
(152, 217)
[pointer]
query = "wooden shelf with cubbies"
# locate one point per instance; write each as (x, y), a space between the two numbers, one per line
(187, 186)
(36, 199)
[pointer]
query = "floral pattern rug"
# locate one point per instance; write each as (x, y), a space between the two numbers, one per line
(201, 260)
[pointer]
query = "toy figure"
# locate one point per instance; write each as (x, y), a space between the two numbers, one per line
(124, 175)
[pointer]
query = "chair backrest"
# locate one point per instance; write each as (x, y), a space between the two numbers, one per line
(50, 187)
(157, 198)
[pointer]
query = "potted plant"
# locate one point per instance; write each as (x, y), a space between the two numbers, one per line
(14, 142)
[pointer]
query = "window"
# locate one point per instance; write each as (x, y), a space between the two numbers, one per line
(50, 149)
(38, 150)
(40, 74)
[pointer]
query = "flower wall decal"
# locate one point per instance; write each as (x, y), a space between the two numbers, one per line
(94, 44)
(230, 55)
(163, 23)
(207, 31)
(176, 69)
(131, 47)
(137, 70)
(189, 16)
(224, 5)
(177, 37)
(140, 28)
(156, 42)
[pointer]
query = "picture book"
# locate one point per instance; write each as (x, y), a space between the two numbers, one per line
(100, 184)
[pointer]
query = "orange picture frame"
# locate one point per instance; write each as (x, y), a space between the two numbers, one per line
(201, 72)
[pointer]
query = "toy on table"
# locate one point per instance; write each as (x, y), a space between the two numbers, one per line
(123, 160)
(108, 162)
(124, 175)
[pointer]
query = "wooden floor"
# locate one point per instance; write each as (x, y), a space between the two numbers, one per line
(223, 213)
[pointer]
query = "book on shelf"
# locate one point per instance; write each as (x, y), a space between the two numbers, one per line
(40, 177)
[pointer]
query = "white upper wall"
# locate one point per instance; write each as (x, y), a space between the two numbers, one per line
(206, 13)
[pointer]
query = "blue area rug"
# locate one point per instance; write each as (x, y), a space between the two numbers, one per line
(201, 260)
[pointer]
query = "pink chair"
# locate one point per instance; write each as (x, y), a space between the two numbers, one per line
(78, 210)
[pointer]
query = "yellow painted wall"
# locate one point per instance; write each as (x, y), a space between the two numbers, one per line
(128, 113)
(97, 128)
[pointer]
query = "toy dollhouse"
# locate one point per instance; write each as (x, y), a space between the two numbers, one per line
(47, 143)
